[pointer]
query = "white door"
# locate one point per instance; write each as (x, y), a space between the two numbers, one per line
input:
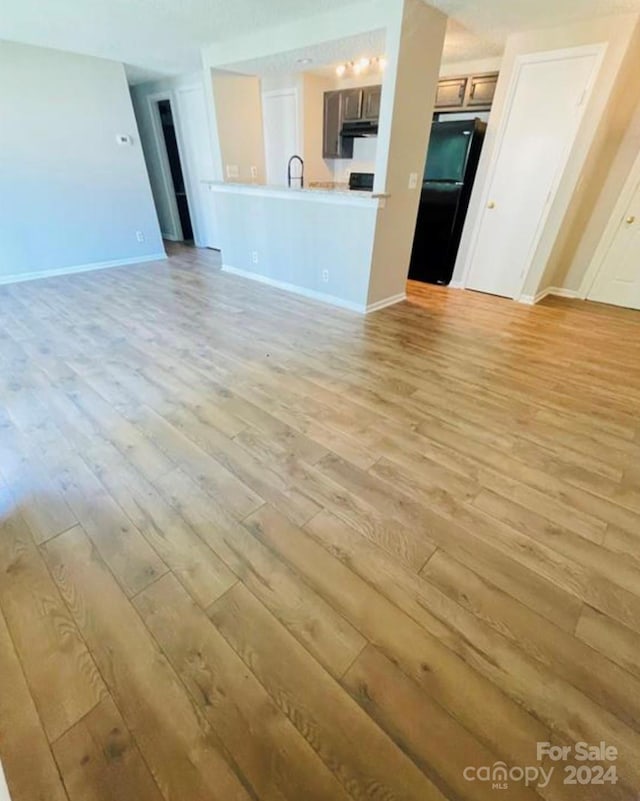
(547, 101)
(618, 280)
(280, 121)
(197, 163)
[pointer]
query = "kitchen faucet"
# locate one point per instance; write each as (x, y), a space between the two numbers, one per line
(301, 176)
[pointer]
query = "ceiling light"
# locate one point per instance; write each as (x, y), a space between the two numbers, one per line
(361, 65)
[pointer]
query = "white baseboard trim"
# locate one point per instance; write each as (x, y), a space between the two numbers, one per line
(298, 290)
(561, 292)
(455, 285)
(390, 301)
(80, 268)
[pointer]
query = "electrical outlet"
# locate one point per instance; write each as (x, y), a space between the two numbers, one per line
(254, 256)
(254, 171)
(233, 171)
(139, 236)
(413, 180)
(325, 276)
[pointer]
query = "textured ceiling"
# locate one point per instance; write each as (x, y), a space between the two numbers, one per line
(164, 37)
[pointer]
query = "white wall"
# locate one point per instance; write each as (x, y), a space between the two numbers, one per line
(70, 195)
(237, 106)
(474, 67)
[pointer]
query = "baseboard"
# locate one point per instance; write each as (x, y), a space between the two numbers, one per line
(390, 301)
(561, 292)
(298, 290)
(455, 285)
(81, 268)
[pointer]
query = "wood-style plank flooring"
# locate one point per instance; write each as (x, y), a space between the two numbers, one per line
(256, 548)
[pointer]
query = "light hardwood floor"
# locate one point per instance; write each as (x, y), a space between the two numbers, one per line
(253, 547)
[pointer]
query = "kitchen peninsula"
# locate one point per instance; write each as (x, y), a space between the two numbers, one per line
(314, 241)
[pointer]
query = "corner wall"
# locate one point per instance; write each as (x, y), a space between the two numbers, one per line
(414, 53)
(71, 196)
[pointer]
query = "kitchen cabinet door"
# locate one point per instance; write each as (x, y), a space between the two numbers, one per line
(371, 102)
(351, 104)
(451, 92)
(331, 140)
(482, 89)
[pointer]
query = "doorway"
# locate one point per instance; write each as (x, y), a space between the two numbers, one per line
(168, 128)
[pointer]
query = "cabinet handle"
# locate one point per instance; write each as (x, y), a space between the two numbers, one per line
(630, 220)
(491, 204)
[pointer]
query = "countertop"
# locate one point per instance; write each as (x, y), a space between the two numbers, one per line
(338, 192)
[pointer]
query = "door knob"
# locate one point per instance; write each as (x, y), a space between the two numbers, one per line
(491, 205)
(630, 220)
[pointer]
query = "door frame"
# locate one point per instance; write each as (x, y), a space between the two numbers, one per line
(596, 265)
(597, 50)
(288, 91)
(165, 170)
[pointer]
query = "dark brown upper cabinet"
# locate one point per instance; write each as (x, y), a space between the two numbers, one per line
(482, 88)
(351, 104)
(466, 92)
(451, 93)
(347, 105)
(371, 102)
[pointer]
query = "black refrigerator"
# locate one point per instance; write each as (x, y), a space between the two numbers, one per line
(450, 169)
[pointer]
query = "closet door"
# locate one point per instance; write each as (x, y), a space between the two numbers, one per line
(618, 280)
(542, 120)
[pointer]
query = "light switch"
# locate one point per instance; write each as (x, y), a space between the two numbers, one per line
(124, 139)
(413, 180)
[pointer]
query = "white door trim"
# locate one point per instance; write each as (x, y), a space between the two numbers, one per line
(596, 50)
(600, 254)
(165, 170)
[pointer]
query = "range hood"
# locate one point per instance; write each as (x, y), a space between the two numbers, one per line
(359, 128)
